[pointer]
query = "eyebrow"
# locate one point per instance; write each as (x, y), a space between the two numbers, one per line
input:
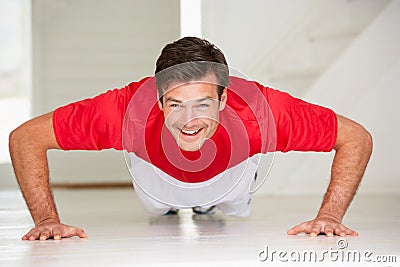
(180, 101)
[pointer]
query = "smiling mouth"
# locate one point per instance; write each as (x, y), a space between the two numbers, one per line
(190, 132)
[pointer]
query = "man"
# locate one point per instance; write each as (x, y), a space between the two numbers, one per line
(200, 129)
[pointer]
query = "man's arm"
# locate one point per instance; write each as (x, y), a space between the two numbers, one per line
(28, 149)
(353, 150)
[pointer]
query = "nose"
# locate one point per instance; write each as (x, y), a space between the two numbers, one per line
(191, 123)
(189, 118)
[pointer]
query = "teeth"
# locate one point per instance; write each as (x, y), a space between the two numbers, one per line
(190, 132)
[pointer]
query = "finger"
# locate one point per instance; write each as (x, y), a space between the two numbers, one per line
(296, 230)
(351, 232)
(328, 230)
(45, 234)
(340, 231)
(57, 233)
(27, 235)
(34, 235)
(81, 233)
(347, 231)
(316, 230)
(304, 227)
(73, 231)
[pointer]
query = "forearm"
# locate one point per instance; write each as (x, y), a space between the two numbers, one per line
(353, 150)
(348, 167)
(28, 147)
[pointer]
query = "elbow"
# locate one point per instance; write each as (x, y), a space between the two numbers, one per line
(366, 139)
(15, 138)
(22, 137)
(353, 137)
(36, 134)
(362, 140)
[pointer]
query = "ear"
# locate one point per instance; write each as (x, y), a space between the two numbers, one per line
(224, 97)
(160, 105)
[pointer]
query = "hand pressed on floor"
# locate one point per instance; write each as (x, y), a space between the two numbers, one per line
(53, 230)
(322, 225)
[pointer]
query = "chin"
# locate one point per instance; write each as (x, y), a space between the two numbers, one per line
(189, 147)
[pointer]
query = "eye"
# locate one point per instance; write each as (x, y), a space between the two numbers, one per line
(203, 105)
(175, 106)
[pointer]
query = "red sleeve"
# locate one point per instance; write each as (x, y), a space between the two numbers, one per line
(94, 123)
(301, 126)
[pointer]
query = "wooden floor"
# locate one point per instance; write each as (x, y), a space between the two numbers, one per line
(122, 234)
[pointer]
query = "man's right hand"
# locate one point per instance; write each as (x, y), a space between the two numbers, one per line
(28, 145)
(53, 230)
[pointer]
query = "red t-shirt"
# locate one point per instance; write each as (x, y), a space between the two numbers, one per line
(248, 128)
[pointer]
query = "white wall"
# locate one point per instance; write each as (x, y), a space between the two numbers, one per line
(361, 83)
(83, 48)
(246, 30)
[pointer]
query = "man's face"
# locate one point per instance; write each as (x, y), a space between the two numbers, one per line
(191, 111)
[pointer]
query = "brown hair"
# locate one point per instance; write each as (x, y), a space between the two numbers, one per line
(200, 57)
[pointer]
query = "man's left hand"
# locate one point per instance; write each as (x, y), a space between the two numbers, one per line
(322, 225)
